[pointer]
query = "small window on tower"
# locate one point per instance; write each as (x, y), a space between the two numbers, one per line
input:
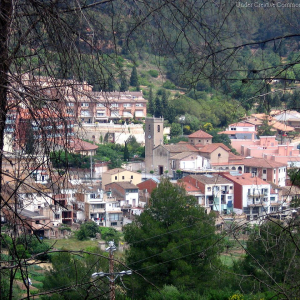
(158, 128)
(149, 127)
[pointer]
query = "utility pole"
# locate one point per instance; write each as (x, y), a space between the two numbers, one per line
(111, 275)
(111, 250)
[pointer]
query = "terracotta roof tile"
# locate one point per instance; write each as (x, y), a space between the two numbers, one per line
(245, 179)
(263, 163)
(200, 134)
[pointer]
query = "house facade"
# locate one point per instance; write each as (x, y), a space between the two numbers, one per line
(120, 175)
(216, 191)
(251, 195)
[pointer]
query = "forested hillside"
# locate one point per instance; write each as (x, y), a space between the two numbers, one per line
(221, 56)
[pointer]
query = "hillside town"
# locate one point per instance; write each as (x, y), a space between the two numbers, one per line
(249, 185)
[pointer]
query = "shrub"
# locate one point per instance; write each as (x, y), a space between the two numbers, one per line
(169, 85)
(153, 73)
(87, 230)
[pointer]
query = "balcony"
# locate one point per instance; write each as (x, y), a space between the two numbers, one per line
(255, 194)
(126, 206)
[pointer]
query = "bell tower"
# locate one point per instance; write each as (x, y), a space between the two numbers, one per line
(154, 136)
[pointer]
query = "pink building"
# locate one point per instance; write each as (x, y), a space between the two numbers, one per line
(267, 147)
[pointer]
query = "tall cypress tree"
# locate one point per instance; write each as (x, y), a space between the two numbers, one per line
(151, 104)
(124, 83)
(126, 152)
(164, 100)
(110, 84)
(158, 108)
(134, 78)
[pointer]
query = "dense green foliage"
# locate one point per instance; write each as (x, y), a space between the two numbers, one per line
(172, 242)
(272, 259)
(71, 276)
(87, 230)
(64, 160)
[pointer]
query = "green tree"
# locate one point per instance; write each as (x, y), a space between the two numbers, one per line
(151, 103)
(265, 129)
(171, 242)
(126, 152)
(124, 83)
(69, 271)
(111, 84)
(134, 81)
(158, 107)
(87, 230)
(175, 129)
(272, 258)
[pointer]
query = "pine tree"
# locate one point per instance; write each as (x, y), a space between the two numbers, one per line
(151, 104)
(134, 78)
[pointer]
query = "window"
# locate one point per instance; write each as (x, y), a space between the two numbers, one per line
(116, 204)
(264, 171)
(219, 155)
(113, 223)
(99, 206)
(131, 177)
(114, 105)
(139, 105)
(116, 177)
(100, 114)
(272, 198)
(70, 103)
(209, 189)
(246, 210)
(100, 105)
(126, 105)
(84, 104)
(114, 217)
(158, 128)
(274, 171)
(123, 177)
(149, 127)
(92, 196)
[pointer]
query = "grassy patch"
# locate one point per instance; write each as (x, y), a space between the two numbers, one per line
(72, 244)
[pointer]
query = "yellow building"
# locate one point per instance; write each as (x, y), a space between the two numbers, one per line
(120, 175)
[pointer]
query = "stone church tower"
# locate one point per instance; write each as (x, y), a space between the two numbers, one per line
(154, 136)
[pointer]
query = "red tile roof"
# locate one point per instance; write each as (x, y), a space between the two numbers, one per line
(262, 163)
(200, 134)
(245, 179)
(80, 145)
(189, 187)
(242, 124)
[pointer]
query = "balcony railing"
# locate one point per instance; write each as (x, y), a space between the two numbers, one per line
(126, 206)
